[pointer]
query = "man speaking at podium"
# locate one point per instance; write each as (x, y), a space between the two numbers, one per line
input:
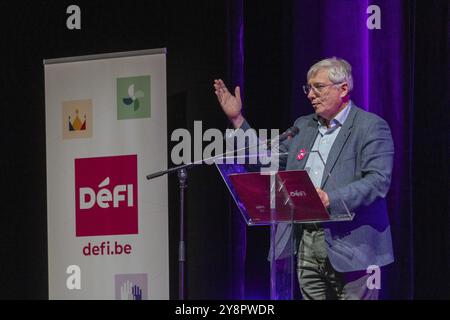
(333, 258)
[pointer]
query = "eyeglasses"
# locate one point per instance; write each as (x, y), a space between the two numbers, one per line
(317, 88)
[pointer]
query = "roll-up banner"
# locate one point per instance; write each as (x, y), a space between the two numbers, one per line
(106, 128)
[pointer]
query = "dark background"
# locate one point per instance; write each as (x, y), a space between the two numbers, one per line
(197, 35)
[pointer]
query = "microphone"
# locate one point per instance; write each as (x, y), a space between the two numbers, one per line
(289, 133)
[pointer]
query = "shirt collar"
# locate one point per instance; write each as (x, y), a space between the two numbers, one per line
(343, 114)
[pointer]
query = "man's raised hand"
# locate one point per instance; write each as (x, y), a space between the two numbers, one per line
(231, 105)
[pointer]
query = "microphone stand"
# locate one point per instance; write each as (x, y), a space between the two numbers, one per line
(182, 180)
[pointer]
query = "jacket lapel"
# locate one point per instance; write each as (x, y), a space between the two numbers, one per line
(338, 144)
(307, 141)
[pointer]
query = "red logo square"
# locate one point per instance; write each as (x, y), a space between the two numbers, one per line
(106, 196)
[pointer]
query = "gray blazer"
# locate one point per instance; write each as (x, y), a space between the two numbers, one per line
(360, 161)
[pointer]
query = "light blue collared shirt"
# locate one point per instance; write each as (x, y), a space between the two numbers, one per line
(323, 143)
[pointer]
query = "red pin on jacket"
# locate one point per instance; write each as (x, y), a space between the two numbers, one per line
(301, 154)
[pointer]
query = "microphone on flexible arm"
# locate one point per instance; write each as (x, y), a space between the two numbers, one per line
(289, 133)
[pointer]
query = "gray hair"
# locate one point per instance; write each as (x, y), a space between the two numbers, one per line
(339, 71)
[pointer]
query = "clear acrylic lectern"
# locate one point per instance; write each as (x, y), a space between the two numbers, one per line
(278, 199)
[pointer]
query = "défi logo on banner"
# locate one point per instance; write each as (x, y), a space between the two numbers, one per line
(106, 196)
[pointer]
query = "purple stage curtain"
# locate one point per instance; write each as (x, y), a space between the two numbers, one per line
(381, 60)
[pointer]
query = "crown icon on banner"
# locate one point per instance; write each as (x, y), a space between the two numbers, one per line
(77, 124)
